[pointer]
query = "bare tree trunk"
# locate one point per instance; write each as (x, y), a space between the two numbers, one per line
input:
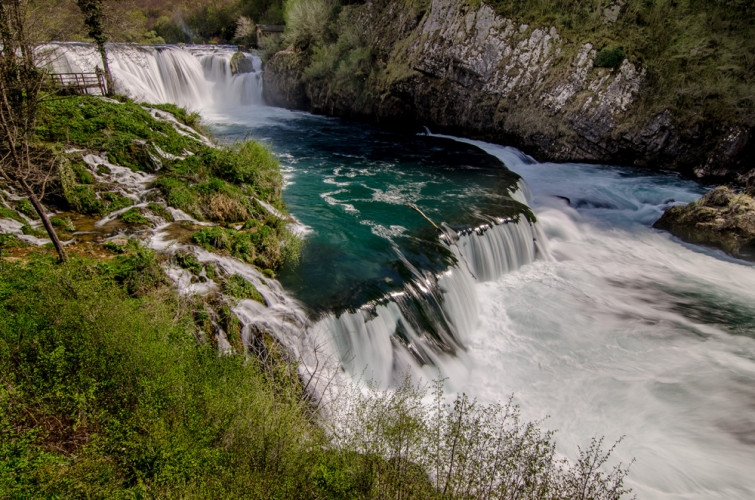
(45, 221)
(106, 68)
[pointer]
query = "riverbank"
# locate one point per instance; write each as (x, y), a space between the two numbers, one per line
(147, 364)
(622, 86)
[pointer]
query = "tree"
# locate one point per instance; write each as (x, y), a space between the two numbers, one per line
(21, 78)
(93, 18)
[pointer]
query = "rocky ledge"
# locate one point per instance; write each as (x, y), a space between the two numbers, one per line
(723, 218)
(460, 68)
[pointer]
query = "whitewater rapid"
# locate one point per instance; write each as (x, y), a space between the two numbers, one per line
(627, 332)
(611, 328)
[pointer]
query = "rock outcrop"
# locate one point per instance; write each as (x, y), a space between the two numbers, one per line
(722, 218)
(467, 71)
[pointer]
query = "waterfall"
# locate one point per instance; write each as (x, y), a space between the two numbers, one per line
(424, 325)
(195, 77)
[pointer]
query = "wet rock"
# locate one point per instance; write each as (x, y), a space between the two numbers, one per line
(241, 63)
(723, 218)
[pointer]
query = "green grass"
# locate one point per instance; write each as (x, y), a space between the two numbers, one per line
(108, 390)
(134, 216)
(212, 184)
(236, 286)
(103, 394)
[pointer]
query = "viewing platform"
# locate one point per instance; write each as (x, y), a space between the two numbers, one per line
(80, 83)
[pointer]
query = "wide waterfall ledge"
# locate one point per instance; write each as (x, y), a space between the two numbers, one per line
(420, 329)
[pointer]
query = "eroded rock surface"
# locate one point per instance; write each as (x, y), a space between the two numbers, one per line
(722, 218)
(468, 71)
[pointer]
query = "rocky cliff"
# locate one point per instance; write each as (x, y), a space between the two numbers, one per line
(463, 69)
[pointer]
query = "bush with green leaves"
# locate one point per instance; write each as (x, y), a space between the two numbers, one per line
(461, 449)
(306, 21)
(107, 395)
(609, 57)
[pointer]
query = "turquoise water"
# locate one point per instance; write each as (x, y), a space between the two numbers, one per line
(350, 184)
(617, 329)
(611, 328)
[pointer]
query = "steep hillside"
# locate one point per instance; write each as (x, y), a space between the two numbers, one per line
(629, 84)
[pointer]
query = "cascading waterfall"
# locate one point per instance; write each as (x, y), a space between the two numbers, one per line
(422, 325)
(195, 77)
(634, 333)
(419, 329)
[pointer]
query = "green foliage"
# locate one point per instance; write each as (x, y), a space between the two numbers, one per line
(130, 403)
(134, 216)
(25, 207)
(6, 213)
(306, 21)
(609, 57)
(139, 271)
(190, 262)
(252, 163)
(64, 223)
(178, 195)
(115, 247)
(238, 287)
(460, 449)
(160, 211)
(237, 243)
(33, 231)
(10, 241)
(115, 127)
(190, 119)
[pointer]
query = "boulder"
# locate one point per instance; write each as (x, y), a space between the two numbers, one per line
(723, 218)
(241, 63)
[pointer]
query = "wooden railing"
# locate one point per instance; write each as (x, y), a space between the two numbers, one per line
(80, 82)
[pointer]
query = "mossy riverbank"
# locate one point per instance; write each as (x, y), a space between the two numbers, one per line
(115, 385)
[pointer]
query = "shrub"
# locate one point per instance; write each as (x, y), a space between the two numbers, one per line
(64, 223)
(178, 195)
(237, 243)
(609, 57)
(306, 21)
(134, 216)
(237, 286)
(463, 449)
(250, 162)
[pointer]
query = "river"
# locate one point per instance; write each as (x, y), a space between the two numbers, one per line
(588, 316)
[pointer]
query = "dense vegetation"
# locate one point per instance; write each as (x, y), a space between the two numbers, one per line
(105, 393)
(224, 185)
(163, 21)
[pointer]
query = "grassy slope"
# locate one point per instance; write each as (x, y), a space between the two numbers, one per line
(219, 185)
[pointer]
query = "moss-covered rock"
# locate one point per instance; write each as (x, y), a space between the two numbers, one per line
(722, 218)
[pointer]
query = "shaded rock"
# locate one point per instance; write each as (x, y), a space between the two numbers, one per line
(722, 218)
(241, 63)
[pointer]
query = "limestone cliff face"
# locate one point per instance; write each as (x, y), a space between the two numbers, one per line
(468, 71)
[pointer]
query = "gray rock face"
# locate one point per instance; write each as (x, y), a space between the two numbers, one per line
(471, 72)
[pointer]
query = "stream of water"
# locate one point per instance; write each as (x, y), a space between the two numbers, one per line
(588, 316)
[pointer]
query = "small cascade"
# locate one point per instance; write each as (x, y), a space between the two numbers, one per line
(429, 321)
(194, 77)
